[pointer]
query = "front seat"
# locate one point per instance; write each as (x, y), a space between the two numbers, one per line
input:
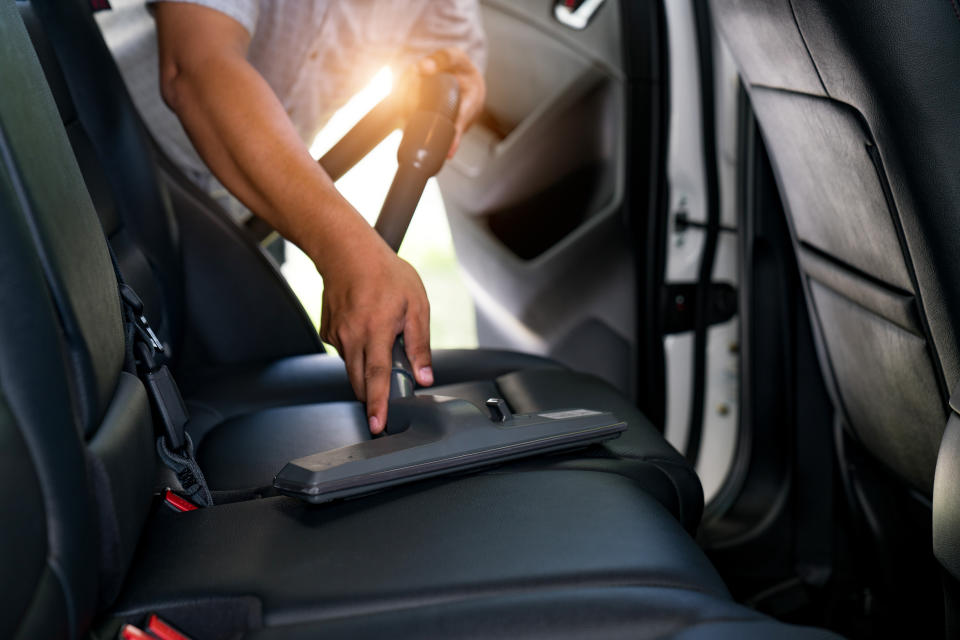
(858, 103)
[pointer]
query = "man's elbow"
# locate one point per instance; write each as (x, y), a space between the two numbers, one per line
(172, 81)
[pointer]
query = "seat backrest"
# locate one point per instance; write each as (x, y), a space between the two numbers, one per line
(234, 306)
(49, 578)
(859, 106)
(79, 430)
(112, 149)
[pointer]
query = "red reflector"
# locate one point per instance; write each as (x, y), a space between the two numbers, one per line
(130, 632)
(176, 502)
(162, 630)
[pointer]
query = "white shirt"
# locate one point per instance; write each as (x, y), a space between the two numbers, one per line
(314, 54)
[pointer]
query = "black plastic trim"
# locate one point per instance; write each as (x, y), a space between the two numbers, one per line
(646, 203)
(704, 26)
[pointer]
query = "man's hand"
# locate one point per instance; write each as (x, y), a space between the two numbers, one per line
(473, 90)
(370, 297)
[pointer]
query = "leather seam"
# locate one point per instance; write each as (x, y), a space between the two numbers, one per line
(933, 354)
(68, 602)
(886, 287)
(914, 331)
(803, 39)
(682, 512)
(298, 615)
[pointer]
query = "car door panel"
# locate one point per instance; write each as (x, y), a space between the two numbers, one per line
(535, 195)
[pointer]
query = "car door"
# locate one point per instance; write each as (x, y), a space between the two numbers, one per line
(537, 196)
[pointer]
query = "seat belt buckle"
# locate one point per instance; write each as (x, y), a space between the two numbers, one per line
(177, 503)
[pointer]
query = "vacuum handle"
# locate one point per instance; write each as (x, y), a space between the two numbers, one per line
(402, 381)
(427, 137)
(426, 140)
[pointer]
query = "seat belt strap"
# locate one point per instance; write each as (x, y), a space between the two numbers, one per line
(147, 357)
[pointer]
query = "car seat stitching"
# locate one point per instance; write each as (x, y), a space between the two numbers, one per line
(432, 597)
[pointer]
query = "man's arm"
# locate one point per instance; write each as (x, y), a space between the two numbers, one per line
(242, 132)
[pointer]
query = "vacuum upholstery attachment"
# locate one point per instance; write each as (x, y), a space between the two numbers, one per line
(435, 435)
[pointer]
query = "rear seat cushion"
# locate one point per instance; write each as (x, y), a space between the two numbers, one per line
(549, 554)
(217, 394)
(439, 541)
(242, 446)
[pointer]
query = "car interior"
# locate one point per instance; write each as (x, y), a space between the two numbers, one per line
(711, 239)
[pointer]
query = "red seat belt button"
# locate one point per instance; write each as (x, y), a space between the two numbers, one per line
(162, 630)
(176, 502)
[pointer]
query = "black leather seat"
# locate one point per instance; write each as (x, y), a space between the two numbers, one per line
(526, 552)
(447, 553)
(859, 105)
(247, 358)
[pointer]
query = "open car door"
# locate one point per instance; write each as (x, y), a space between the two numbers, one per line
(545, 203)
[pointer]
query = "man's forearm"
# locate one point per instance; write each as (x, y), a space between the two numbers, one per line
(246, 138)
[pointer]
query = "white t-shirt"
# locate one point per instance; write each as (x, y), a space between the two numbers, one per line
(314, 54)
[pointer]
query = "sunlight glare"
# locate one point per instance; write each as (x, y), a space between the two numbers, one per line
(428, 245)
(349, 114)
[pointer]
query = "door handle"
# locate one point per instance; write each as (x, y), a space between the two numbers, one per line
(576, 14)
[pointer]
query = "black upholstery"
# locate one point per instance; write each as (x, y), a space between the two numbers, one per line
(222, 393)
(250, 422)
(250, 443)
(136, 213)
(351, 571)
(387, 550)
(42, 417)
